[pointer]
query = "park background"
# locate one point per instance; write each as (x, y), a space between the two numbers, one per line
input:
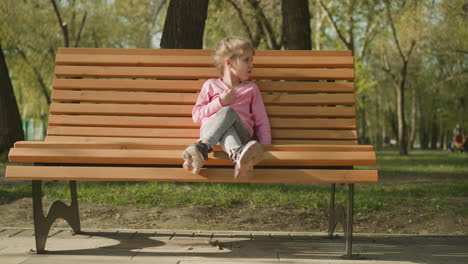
(411, 90)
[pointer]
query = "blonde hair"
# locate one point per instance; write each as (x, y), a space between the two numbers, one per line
(232, 48)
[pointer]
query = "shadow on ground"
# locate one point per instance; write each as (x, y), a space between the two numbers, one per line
(418, 249)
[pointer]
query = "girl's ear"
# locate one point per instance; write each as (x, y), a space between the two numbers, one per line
(228, 62)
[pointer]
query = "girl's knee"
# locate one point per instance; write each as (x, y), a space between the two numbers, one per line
(227, 111)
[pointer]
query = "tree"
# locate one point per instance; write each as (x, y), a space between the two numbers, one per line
(11, 129)
(185, 24)
(399, 82)
(296, 25)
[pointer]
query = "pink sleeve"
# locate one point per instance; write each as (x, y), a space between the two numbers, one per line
(262, 124)
(206, 105)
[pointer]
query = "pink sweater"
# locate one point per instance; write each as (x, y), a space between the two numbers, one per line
(248, 105)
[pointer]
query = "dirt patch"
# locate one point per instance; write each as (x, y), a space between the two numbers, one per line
(405, 220)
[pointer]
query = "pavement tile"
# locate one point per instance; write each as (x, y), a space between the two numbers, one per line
(11, 232)
(50, 259)
(70, 234)
(183, 247)
(22, 242)
(14, 255)
(27, 232)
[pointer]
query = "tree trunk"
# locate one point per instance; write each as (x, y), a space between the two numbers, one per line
(185, 24)
(296, 24)
(413, 118)
(434, 132)
(379, 130)
(402, 139)
(362, 131)
(11, 129)
(423, 128)
(442, 139)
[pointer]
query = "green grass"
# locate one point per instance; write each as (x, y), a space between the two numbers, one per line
(438, 195)
(422, 162)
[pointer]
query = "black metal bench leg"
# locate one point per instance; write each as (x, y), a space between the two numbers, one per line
(58, 209)
(349, 222)
(335, 214)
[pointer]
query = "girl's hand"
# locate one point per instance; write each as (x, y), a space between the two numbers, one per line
(227, 97)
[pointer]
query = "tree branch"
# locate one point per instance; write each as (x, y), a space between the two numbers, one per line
(264, 21)
(335, 26)
(158, 10)
(319, 18)
(78, 37)
(63, 25)
(386, 66)
(242, 19)
(392, 25)
(367, 38)
(38, 75)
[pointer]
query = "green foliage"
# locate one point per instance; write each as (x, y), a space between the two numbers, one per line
(31, 28)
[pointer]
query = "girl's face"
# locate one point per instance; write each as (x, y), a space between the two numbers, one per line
(243, 65)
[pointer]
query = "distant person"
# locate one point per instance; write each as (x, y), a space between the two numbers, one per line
(458, 138)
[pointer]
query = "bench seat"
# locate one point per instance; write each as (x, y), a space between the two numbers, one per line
(281, 155)
(83, 173)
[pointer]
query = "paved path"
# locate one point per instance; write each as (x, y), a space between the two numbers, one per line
(183, 247)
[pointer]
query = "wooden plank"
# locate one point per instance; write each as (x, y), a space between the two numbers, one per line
(121, 109)
(187, 122)
(197, 52)
(122, 121)
(200, 73)
(308, 99)
(174, 157)
(310, 111)
(181, 141)
(195, 86)
(313, 123)
(186, 110)
(121, 140)
(124, 132)
(313, 134)
(124, 97)
(191, 133)
(201, 61)
(191, 98)
(179, 175)
(136, 145)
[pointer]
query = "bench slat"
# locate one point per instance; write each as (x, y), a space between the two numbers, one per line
(87, 145)
(180, 175)
(192, 52)
(201, 73)
(187, 122)
(186, 110)
(174, 157)
(201, 61)
(183, 141)
(191, 98)
(195, 86)
(191, 133)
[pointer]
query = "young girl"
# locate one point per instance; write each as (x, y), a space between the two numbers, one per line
(231, 111)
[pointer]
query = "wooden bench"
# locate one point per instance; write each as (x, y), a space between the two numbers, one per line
(125, 115)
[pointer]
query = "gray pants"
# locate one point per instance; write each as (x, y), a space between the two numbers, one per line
(227, 129)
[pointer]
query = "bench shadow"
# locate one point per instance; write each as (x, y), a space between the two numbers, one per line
(418, 249)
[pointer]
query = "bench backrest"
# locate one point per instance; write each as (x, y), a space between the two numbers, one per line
(139, 95)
